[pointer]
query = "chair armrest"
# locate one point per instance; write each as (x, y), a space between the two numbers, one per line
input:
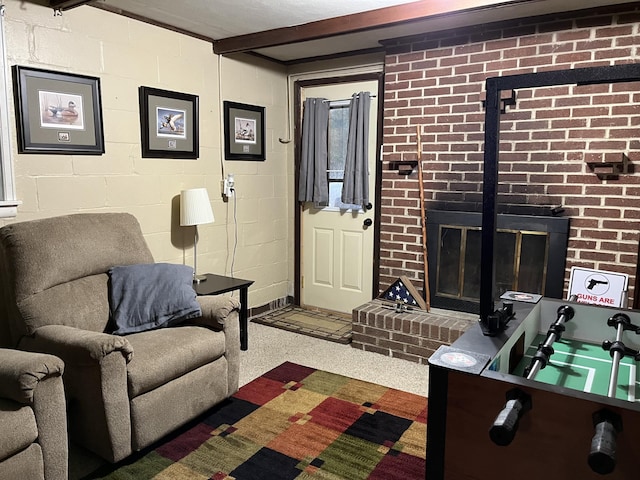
(76, 346)
(21, 372)
(215, 310)
(221, 312)
(36, 379)
(95, 384)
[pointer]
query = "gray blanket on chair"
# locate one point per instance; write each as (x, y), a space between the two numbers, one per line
(147, 296)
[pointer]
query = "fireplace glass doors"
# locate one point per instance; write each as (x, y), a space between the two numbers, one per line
(530, 257)
(459, 273)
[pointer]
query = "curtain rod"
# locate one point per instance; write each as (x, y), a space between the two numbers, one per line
(346, 99)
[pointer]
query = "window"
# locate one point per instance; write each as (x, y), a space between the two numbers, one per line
(8, 202)
(337, 150)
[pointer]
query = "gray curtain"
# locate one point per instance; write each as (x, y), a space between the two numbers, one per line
(355, 189)
(313, 183)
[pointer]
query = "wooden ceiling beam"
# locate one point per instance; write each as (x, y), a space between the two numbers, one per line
(379, 18)
(67, 4)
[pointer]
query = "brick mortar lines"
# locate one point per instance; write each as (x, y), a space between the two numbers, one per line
(413, 336)
(565, 46)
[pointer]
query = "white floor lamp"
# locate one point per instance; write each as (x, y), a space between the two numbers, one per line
(195, 209)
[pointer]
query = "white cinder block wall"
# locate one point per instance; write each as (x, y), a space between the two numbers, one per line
(126, 54)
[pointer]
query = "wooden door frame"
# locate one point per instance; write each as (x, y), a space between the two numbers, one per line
(298, 86)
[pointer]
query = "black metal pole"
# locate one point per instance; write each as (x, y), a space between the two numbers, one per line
(490, 322)
(489, 201)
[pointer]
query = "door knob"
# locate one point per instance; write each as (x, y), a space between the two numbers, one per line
(367, 223)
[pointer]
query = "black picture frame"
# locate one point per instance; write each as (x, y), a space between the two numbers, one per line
(243, 131)
(169, 124)
(57, 113)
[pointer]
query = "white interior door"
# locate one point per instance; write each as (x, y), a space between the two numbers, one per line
(337, 246)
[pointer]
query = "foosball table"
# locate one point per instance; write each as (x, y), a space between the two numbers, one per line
(555, 395)
(540, 387)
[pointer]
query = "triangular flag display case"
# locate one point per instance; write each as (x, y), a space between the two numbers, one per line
(403, 291)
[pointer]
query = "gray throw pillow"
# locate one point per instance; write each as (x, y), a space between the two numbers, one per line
(147, 296)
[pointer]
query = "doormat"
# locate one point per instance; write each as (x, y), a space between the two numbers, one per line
(334, 327)
(294, 422)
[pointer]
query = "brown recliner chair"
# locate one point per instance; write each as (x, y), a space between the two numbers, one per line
(33, 438)
(123, 392)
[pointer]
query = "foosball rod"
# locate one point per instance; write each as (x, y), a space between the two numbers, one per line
(545, 350)
(607, 424)
(616, 357)
(617, 349)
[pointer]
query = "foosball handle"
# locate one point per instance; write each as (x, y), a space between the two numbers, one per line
(620, 347)
(625, 321)
(504, 427)
(602, 456)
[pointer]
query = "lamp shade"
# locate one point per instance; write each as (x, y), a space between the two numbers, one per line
(195, 207)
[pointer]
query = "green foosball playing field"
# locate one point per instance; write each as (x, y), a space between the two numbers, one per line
(585, 367)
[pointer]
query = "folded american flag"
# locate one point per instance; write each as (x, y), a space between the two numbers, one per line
(402, 291)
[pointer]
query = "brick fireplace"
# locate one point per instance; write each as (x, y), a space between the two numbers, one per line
(531, 256)
(553, 140)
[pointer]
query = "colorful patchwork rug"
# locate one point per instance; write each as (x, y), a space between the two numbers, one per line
(296, 422)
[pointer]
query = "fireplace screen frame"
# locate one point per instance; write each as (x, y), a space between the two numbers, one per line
(556, 230)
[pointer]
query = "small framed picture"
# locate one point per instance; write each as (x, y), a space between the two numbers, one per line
(243, 131)
(168, 124)
(57, 113)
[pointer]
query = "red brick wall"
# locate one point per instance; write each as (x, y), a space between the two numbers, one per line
(437, 81)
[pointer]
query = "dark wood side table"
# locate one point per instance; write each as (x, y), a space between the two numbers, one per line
(217, 284)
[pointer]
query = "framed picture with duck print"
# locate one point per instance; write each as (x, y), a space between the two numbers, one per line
(243, 131)
(168, 124)
(57, 113)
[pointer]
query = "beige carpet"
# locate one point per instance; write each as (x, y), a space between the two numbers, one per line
(334, 327)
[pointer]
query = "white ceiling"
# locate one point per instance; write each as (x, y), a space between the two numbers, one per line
(218, 19)
(222, 19)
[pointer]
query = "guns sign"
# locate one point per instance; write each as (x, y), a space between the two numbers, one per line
(598, 287)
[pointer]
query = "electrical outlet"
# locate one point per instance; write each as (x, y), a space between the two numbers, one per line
(228, 185)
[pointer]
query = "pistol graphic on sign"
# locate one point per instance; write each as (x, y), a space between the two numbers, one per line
(597, 284)
(593, 282)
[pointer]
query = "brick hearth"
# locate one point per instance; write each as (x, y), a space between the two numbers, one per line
(412, 335)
